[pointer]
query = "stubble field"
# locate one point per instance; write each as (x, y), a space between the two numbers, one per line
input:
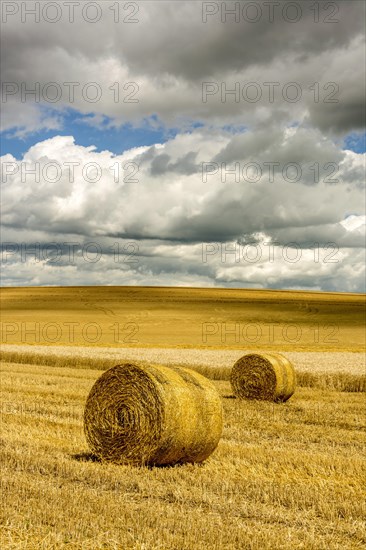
(283, 476)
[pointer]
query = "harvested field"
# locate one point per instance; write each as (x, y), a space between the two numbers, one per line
(283, 476)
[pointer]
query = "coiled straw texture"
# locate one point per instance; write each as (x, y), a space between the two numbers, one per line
(268, 376)
(152, 415)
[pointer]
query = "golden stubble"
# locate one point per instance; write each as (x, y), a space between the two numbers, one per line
(283, 475)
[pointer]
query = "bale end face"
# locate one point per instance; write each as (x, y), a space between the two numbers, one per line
(152, 415)
(269, 377)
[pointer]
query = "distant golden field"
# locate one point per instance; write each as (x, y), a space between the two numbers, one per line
(284, 476)
(183, 317)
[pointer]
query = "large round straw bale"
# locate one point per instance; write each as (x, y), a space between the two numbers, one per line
(268, 376)
(152, 415)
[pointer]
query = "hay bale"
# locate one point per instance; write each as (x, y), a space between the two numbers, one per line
(268, 376)
(152, 415)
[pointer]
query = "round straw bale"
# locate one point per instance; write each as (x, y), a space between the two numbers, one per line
(152, 415)
(268, 376)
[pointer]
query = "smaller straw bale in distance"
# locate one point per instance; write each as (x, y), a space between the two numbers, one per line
(268, 376)
(152, 415)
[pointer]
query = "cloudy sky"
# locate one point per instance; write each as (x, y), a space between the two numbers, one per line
(183, 143)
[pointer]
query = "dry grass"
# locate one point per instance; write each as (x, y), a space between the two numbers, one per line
(283, 476)
(340, 371)
(312, 361)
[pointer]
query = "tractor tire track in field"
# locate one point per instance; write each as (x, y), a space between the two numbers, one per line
(308, 309)
(94, 307)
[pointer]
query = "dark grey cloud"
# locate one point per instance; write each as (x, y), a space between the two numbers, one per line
(170, 53)
(193, 50)
(185, 165)
(350, 116)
